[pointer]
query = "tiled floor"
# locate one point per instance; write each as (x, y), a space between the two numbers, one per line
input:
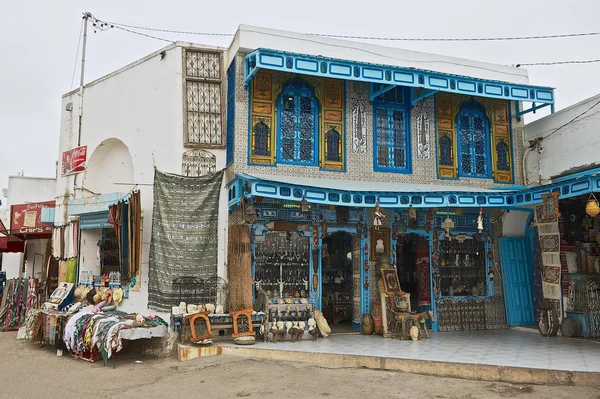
(497, 347)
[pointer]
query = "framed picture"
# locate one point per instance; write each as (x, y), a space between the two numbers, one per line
(380, 242)
(390, 280)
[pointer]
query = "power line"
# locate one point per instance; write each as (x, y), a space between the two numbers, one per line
(77, 53)
(571, 121)
(559, 63)
(386, 38)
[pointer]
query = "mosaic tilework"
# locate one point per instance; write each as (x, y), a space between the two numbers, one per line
(499, 348)
(359, 166)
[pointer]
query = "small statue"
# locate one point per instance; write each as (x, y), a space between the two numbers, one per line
(295, 332)
(414, 333)
(313, 330)
(378, 216)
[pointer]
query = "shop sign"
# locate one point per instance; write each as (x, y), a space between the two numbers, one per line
(27, 218)
(74, 161)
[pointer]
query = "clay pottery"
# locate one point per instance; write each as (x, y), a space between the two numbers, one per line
(367, 324)
(377, 320)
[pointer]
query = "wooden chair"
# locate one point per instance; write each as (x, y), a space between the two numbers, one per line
(402, 321)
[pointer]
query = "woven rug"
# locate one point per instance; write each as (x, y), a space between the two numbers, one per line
(184, 233)
(546, 217)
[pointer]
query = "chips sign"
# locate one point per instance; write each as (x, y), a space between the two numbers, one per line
(27, 218)
(74, 161)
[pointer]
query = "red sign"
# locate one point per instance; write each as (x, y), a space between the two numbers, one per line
(27, 218)
(74, 161)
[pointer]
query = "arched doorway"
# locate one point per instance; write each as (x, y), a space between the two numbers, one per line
(109, 164)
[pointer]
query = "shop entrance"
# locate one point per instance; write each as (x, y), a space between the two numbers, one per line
(412, 254)
(337, 278)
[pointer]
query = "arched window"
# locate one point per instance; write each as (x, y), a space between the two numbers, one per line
(197, 163)
(446, 150)
(502, 162)
(391, 142)
(298, 125)
(333, 145)
(261, 139)
(473, 132)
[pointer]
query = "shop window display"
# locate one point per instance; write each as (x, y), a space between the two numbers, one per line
(463, 267)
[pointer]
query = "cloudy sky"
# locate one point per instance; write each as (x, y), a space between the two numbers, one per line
(39, 41)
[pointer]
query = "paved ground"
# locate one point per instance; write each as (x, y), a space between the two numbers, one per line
(27, 371)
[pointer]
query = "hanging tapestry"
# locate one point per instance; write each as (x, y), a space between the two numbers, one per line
(184, 233)
(546, 217)
(423, 132)
(359, 126)
(239, 268)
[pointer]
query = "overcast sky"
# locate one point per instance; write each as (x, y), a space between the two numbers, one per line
(39, 38)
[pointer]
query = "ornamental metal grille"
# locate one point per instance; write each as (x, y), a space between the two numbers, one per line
(204, 125)
(502, 156)
(473, 132)
(298, 125)
(391, 138)
(197, 163)
(261, 139)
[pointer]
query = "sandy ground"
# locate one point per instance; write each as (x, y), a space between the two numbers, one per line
(28, 371)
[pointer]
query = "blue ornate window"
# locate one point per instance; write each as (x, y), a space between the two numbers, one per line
(298, 125)
(473, 132)
(502, 162)
(230, 112)
(391, 131)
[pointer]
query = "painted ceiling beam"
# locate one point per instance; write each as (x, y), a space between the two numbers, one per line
(364, 72)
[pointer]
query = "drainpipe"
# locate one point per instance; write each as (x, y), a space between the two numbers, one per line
(533, 145)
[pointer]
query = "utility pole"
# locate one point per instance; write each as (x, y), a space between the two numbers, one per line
(86, 15)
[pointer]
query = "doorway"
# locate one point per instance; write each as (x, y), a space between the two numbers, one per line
(337, 278)
(412, 255)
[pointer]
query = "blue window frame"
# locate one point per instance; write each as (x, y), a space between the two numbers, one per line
(391, 126)
(230, 112)
(298, 121)
(473, 130)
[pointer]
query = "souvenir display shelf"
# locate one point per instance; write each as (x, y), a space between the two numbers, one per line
(281, 265)
(463, 270)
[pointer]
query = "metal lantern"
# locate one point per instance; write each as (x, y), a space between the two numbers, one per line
(304, 206)
(480, 221)
(592, 208)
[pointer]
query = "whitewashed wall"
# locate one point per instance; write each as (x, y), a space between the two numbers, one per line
(132, 122)
(574, 146)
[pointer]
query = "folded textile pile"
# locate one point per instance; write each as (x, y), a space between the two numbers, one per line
(87, 331)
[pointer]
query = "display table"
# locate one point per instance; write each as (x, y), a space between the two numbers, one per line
(132, 334)
(217, 322)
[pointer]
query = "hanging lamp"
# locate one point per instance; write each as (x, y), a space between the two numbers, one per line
(592, 208)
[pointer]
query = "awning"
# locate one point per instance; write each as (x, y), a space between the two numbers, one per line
(366, 194)
(383, 77)
(94, 205)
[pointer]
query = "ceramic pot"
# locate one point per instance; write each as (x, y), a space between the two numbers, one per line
(367, 324)
(377, 320)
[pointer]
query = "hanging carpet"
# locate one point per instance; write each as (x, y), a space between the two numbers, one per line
(184, 233)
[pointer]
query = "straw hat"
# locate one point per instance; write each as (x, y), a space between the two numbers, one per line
(90, 295)
(107, 296)
(77, 293)
(117, 296)
(97, 297)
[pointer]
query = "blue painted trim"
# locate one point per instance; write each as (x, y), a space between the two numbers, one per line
(415, 100)
(374, 94)
(488, 156)
(533, 109)
(372, 73)
(230, 133)
(407, 136)
(590, 172)
(316, 107)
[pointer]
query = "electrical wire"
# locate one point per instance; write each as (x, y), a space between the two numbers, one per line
(383, 38)
(77, 53)
(559, 63)
(571, 121)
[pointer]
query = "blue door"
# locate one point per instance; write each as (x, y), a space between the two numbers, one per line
(518, 281)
